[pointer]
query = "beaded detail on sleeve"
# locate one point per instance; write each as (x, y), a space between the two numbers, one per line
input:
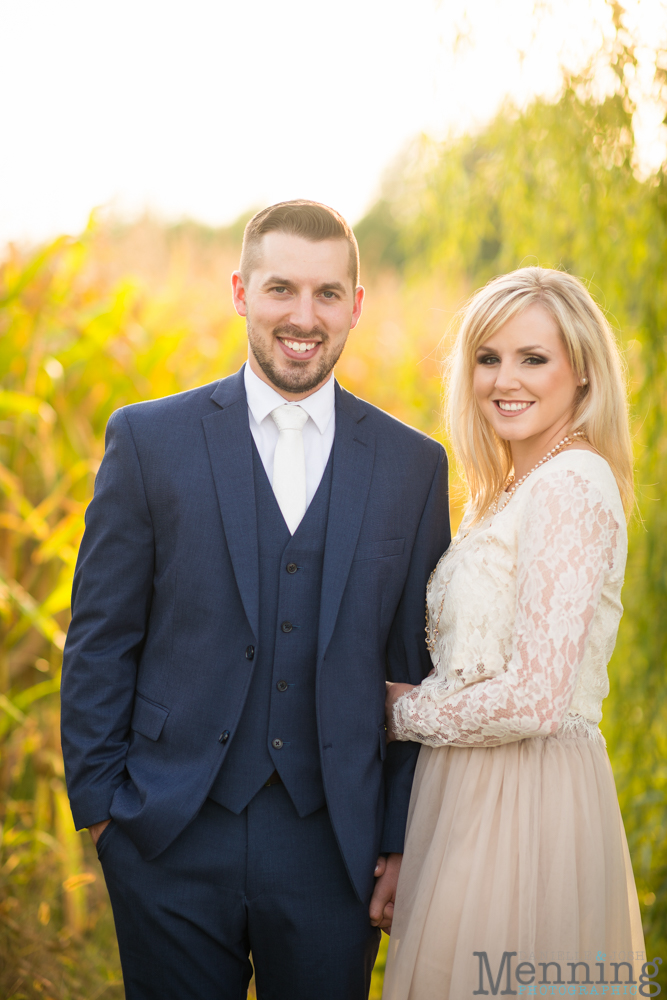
(529, 604)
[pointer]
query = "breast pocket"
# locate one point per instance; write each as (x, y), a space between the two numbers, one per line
(379, 550)
(148, 717)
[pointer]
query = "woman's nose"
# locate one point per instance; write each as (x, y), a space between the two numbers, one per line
(507, 378)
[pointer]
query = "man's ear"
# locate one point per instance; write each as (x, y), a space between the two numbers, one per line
(358, 305)
(239, 294)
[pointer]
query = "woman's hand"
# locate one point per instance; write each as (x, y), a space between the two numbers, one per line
(394, 692)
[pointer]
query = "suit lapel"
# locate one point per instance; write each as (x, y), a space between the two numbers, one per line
(229, 443)
(354, 453)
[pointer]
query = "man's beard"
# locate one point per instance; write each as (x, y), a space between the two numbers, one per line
(298, 377)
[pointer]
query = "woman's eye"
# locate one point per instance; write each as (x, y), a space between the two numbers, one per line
(535, 359)
(488, 359)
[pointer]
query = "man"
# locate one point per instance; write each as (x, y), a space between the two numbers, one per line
(253, 570)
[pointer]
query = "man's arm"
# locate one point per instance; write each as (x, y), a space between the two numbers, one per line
(408, 660)
(110, 607)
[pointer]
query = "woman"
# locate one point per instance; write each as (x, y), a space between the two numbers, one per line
(515, 842)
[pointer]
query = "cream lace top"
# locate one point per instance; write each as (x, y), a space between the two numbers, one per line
(530, 600)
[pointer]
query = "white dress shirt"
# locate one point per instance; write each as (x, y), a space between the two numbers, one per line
(318, 431)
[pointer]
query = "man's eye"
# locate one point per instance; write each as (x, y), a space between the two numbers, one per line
(329, 294)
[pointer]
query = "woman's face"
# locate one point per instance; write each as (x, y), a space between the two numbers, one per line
(523, 379)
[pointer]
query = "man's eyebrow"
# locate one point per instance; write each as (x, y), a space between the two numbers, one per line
(277, 280)
(326, 286)
(331, 286)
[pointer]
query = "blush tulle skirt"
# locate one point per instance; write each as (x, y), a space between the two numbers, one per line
(517, 848)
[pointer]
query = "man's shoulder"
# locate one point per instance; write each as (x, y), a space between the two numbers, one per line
(192, 404)
(385, 425)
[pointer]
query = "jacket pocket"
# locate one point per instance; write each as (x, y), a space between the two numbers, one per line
(148, 717)
(383, 741)
(380, 550)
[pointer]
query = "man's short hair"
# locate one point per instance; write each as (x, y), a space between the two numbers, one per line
(308, 219)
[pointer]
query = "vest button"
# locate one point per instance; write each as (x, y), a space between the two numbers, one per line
(292, 567)
(223, 737)
(286, 626)
(282, 685)
(277, 744)
(249, 652)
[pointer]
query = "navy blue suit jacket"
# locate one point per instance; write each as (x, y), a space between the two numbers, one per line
(165, 603)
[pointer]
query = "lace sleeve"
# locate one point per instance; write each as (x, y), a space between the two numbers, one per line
(567, 540)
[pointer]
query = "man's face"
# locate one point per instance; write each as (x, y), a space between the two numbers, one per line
(299, 305)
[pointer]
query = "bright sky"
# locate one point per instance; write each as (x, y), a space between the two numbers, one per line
(209, 107)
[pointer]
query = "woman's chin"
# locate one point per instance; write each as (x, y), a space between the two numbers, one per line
(507, 430)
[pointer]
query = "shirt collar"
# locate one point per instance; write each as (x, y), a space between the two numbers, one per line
(262, 399)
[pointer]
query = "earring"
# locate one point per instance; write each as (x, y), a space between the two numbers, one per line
(584, 380)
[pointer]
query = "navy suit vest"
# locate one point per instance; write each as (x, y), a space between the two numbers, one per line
(278, 725)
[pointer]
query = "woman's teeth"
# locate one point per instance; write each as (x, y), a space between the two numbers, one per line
(512, 406)
(299, 345)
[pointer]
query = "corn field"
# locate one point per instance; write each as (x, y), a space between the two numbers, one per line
(120, 314)
(79, 338)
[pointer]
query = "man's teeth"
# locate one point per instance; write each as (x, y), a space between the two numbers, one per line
(299, 345)
(512, 406)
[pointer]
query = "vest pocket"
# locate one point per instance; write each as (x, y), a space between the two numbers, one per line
(148, 717)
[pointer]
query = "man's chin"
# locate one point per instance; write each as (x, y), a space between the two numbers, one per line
(298, 382)
(295, 377)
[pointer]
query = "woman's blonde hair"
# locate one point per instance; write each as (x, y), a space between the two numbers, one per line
(601, 408)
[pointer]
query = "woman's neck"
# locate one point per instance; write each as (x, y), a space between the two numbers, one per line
(527, 453)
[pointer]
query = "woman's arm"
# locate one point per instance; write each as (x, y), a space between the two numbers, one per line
(567, 540)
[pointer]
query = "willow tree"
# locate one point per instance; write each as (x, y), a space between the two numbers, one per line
(555, 184)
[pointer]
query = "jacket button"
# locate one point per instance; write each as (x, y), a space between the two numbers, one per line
(277, 744)
(223, 737)
(286, 626)
(282, 685)
(249, 652)
(292, 567)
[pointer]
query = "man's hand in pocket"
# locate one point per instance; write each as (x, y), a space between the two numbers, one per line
(96, 830)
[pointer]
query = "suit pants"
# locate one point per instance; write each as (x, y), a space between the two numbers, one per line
(264, 882)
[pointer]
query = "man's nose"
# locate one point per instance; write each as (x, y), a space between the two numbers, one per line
(303, 313)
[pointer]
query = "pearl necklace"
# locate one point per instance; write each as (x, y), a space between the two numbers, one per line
(510, 488)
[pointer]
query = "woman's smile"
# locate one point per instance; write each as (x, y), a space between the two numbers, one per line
(512, 407)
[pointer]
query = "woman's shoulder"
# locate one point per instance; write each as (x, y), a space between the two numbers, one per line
(581, 472)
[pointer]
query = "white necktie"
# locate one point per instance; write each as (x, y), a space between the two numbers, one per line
(289, 464)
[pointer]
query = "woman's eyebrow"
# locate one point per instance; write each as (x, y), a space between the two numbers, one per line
(530, 349)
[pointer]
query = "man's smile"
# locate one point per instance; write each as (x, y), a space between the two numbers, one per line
(301, 349)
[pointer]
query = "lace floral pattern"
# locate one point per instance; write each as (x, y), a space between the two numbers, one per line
(529, 606)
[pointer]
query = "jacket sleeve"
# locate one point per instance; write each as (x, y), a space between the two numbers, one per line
(407, 656)
(111, 601)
